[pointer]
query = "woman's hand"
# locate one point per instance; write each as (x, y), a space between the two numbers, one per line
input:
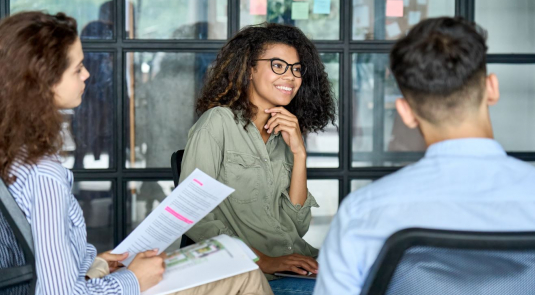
(114, 260)
(294, 262)
(283, 121)
(148, 267)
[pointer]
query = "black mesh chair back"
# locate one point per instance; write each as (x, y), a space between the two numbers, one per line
(176, 165)
(423, 261)
(20, 279)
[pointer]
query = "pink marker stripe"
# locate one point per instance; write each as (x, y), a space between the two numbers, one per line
(175, 214)
(197, 181)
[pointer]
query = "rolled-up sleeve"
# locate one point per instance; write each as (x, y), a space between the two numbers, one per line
(204, 152)
(300, 215)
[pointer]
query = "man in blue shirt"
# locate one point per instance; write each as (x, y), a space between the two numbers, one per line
(465, 181)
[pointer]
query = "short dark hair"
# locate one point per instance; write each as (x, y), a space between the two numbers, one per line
(227, 81)
(440, 67)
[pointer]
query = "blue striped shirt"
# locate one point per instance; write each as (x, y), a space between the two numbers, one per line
(62, 254)
(462, 184)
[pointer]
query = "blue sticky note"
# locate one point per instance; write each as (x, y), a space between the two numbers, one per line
(322, 7)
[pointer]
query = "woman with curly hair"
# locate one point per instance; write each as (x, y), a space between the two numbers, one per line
(266, 89)
(42, 73)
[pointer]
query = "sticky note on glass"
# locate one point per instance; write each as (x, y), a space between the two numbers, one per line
(393, 30)
(300, 10)
(394, 8)
(406, 2)
(258, 7)
(422, 2)
(322, 7)
(414, 17)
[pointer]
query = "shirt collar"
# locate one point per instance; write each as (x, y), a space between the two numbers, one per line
(479, 147)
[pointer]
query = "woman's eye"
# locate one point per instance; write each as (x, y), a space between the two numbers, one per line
(277, 65)
(297, 70)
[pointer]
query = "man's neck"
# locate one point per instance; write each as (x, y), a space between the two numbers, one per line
(467, 129)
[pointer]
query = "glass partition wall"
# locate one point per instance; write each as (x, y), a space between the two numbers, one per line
(148, 60)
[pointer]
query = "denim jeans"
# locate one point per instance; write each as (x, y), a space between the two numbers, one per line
(292, 286)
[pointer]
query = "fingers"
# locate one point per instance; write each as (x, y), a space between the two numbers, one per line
(113, 257)
(286, 117)
(305, 262)
(280, 110)
(298, 270)
(285, 128)
(149, 253)
(280, 121)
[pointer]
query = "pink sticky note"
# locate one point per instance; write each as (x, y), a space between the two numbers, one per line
(394, 8)
(258, 7)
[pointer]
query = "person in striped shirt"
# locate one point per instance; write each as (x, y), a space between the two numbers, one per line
(43, 73)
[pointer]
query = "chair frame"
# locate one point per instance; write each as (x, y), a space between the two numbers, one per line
(383, 269)
(10, 277)
(176, 166)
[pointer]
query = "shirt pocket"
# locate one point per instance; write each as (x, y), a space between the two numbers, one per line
(286, 176)
(243, 174)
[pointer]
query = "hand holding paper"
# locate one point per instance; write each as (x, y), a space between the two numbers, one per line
(195, 197)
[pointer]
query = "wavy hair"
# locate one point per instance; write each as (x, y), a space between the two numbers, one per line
(227, 81)
(34, 49)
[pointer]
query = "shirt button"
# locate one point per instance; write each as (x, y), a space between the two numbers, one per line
(265, 160)
(290, 248)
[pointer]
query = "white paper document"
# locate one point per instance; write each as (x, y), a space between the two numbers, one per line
(205, 262)
(189, 202)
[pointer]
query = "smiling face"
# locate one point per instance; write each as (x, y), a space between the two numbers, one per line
(68, 92)
(268, 89)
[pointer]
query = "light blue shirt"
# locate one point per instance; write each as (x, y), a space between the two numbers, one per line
(462, 184)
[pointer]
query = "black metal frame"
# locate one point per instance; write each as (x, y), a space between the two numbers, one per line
(345, 47)
(24, 274)
(395, 246)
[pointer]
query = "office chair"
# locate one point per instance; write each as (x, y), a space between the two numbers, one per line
(176, 165)
(424, 261)
(17, 279)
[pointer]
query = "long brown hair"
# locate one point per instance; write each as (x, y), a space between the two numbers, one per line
(34, 50)
(227, 82)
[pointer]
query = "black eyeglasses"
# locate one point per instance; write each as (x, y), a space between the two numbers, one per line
(279, 67)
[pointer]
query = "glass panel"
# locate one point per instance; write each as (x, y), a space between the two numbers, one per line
(379, 136)
(513, 117)
(96, 200)
(510, 24)
(323, 147)
(94, 17)
(319, 20)
(326, 194)
(392, 19)
(162, 87)
(89, 132)
(141, 198)
(357, 184)
(177, 19)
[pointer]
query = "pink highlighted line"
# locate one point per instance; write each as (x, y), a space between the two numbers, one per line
(175, 214)
(197, 181)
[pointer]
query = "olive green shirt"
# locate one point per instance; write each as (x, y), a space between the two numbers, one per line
(259, 211)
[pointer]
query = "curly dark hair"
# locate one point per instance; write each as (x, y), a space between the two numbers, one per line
(227, 82)
(34, 49)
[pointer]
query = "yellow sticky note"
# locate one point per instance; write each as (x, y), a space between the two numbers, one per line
(300, 10)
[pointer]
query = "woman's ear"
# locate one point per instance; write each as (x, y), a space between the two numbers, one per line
(406, 113)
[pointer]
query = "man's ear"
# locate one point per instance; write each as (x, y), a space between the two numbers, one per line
(406, 113)
(493, 89)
